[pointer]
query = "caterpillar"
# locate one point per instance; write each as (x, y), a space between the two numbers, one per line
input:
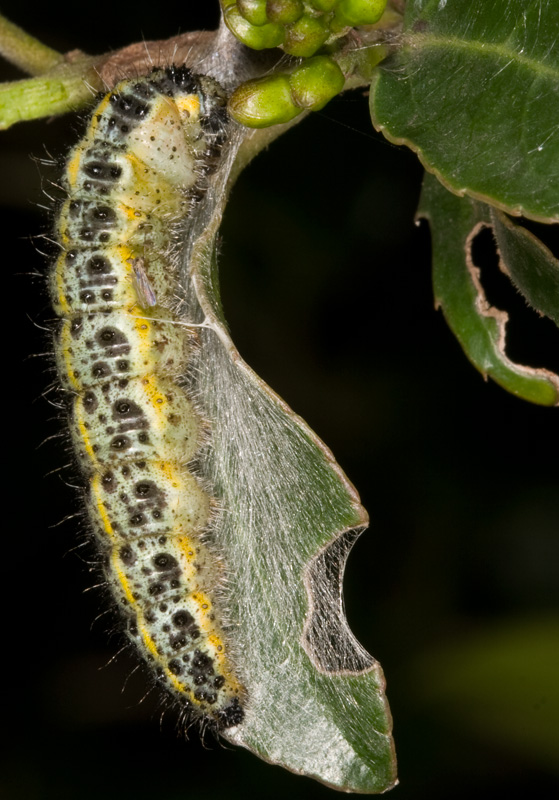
(136, 175)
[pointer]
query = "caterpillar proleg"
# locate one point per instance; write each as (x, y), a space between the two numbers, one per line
(132, 180)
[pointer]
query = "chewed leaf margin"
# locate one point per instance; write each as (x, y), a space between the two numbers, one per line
(290, 519)
(530, 265)
(479, 327)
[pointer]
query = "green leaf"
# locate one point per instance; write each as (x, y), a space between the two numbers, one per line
(501, 683)
(473, 90)
(480, 328)
(315, 698)
(531, 266)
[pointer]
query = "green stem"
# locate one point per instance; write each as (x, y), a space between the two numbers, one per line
(67, 83)
(24, 51)
(66, 88)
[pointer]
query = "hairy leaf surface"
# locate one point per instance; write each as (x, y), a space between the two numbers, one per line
(474, 90)
(531, 266)
(315, 699)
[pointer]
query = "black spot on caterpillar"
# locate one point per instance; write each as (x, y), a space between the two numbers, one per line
(135, 174)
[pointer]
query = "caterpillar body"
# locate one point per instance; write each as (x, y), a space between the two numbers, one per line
(136, 174)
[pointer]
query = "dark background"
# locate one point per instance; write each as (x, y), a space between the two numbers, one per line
(326, 285)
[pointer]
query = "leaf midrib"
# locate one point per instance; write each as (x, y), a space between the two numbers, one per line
(474, 46)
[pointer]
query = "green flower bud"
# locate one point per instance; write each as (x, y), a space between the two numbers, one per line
(322, 5)
(358, 12)
(263, 102)
(284, 11)
(316, 82)
(304, 37)
(257, 37)
(254, 11)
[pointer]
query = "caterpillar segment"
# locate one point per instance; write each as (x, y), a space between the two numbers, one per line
(135, 175)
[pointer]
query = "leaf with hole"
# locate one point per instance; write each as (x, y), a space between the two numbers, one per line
(316, 698)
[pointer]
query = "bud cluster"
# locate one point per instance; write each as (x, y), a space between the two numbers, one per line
(299, 27)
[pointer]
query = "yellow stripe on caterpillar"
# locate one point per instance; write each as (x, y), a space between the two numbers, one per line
(131, 182)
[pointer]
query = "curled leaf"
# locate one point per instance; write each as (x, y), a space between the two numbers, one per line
(315, 698)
